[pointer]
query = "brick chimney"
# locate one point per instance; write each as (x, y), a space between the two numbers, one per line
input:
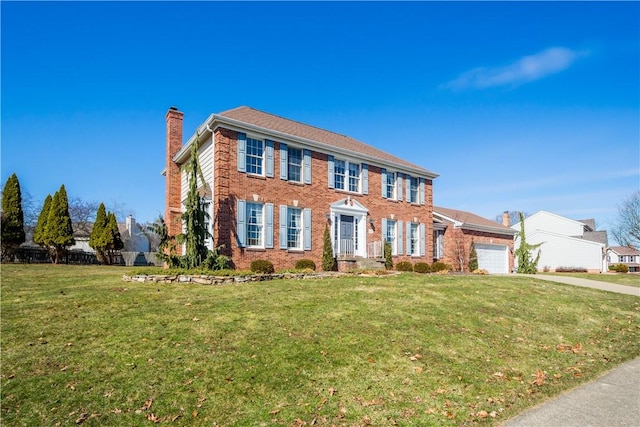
(506, 219)
(172, 208)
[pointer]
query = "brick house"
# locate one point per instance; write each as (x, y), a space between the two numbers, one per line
(272, 185)
(453, 231)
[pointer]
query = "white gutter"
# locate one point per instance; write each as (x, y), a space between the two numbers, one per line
(237, 125)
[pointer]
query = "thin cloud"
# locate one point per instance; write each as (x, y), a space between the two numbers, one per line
(526, 69)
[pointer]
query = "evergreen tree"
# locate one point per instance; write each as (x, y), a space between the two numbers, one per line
(59, 231)
(194, 216)
(97, 232)
(526, 263)
(39, 233)
(328, 261)
(111, 239)
(12, 217)
(473, 257)
(388, 256)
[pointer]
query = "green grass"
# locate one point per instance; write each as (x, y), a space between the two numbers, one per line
(627, 279)
(79, 345)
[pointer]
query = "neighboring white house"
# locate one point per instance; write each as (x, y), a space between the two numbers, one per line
(565, 242)
(624, 255)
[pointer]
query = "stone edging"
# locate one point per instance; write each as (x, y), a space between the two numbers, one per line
(223, 280)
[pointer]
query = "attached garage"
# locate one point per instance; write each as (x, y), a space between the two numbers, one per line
(493, 258)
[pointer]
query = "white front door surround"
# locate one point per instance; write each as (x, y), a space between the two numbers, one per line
(348, 228)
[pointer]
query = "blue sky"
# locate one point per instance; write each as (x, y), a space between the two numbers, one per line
(518, 106)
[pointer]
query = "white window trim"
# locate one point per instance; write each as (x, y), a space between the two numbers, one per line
(394, 244)
(416, 247)
(347, 162)
(300, 229)
(394, 191)
(289, 148)
(261, 226)
(263, 165)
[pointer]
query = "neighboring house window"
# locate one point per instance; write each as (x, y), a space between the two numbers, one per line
(255, 225)
(354, 177)
(294, 165)
(391, 186)
(414, 239)
(255, 153)
(390, 236)
(414, 190)
(438, 244)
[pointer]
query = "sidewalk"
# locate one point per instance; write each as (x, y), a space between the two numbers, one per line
(586, 283)
(612, 400)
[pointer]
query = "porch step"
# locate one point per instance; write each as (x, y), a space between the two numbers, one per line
(370, 263)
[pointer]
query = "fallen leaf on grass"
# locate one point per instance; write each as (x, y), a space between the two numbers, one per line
(415, 357)
(147, 404)
(153, 418)
(540, 377)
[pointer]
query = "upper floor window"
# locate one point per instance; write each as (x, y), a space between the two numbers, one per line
(340, 172)
(294, 164)
(354, 177)
(390, 186)
(414, 188)
(255, 155)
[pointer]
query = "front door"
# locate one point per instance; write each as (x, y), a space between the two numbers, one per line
(347, 229)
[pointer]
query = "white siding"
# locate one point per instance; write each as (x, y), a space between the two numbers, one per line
(552, 223)
(562, 251)
(205, 157)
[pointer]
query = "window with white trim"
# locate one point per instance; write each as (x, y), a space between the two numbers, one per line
(339, 174)
(255, 156)
(255, 225)
(391, 186)
(414, 190)
(390, 236)
(294, 164)
(294, 228)
(414, 247)
(438, 244)
(354, 177)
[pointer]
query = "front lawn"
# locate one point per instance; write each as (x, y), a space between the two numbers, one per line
(80, 346)
(627, 279)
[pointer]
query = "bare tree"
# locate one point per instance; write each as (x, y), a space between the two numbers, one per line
(82, 215)
(459, 252)
(626, 231)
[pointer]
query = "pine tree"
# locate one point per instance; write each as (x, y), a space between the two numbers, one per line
(388, 256)
(59, 231)
(96, 237)
(328, 261)
(526, 264)
(111, 239)
(473, 257)
(12, 217)
(39, 233)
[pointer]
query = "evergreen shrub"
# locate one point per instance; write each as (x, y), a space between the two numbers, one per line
(404, 266)
(262, 266)
(305, 264)
(422, 267)
(439, 266)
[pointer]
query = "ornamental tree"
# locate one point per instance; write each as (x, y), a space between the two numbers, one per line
(473, 257)
(111, 239)
(328, 261)
(12, 217)
(526, 263)
(39, 233)
(95, 239)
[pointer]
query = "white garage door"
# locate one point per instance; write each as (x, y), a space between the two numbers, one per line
(493, 258)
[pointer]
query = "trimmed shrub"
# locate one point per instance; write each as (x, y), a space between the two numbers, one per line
(439, 266)
(305, 264)
(262, 266)
(619, 268)
(422, 267)
(571, 270)
(404, 266)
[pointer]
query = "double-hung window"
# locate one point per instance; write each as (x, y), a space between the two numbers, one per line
(414, 236)
(255, 156)
(294, 164)
(294, 228)
(354, 177)
(339, 174)
(414, 188)
(390, 235)
(390, 187)
(255, 225)
(438, 244)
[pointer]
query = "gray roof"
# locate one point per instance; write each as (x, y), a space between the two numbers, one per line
(594, 236)
(591, 223)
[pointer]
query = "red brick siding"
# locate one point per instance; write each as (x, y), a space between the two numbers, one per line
(231, 185)
(460, 239)
(172, 173)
